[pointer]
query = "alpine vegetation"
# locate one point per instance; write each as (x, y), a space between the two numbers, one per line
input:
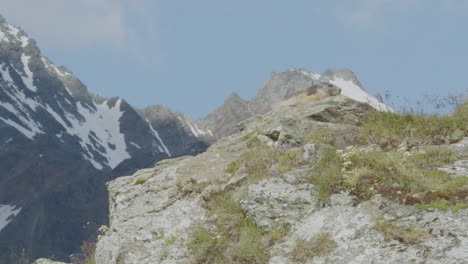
(303, 183)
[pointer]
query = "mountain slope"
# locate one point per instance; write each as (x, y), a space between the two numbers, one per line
(279, 87)
(59, 146)
(297, 185)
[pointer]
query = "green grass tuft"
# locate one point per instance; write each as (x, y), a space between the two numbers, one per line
(320, 136)
(442, 205)
(392, 232)
(138, 182)
(248, 135)
(235, 239)
(405, 177)
(327, 174)
(262, 161)
(392, 129)
(205, 248)
(319, 245)
(232, 167)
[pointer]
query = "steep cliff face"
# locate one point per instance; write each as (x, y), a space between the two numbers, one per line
(271, 194)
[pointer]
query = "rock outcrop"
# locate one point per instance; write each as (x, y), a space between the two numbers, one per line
(282, 85)
(156, 212)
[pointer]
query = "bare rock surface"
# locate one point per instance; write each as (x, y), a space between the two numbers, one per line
(154, 212)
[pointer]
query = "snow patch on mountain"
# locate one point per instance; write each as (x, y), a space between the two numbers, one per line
(98, 132)
(12, 34)
(3, 37)
(24, 41)
(106, 124)
(135, 145)
(353, 91)
(156, 134)
(312, 75)
(20, 107)
(197, 132)
(28, 80)
(349, 89)
(13, 30)
(53, 68)
(7, 213)
(5, 73)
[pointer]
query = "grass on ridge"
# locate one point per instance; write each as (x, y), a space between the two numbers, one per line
(392, 129)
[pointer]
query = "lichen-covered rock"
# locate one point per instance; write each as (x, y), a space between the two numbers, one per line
(155, 212)
(358, 241)
(461, 148)
(457, 169)
(276, 202)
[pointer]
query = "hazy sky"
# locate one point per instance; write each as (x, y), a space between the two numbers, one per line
(190, 55)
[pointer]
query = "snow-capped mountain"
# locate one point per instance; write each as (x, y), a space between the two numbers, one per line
(280, 86)
(178, 131)
(59, 144)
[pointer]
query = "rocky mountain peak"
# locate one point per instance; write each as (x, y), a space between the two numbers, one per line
(280, 86)
(234, 98)
(344, 74)
(59, 144)
(158, 110)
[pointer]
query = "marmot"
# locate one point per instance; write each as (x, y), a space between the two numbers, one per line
(311, 94)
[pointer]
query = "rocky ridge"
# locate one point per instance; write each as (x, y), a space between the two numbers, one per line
(57, 148)
(280, 86)
(59, 144)
(156, 212)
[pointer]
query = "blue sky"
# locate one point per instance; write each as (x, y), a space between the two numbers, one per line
(190, 55)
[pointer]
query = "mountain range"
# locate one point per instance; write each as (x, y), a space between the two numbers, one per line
(60, 143)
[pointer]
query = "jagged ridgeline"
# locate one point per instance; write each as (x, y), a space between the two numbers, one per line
(60, 144)
(328, 181)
